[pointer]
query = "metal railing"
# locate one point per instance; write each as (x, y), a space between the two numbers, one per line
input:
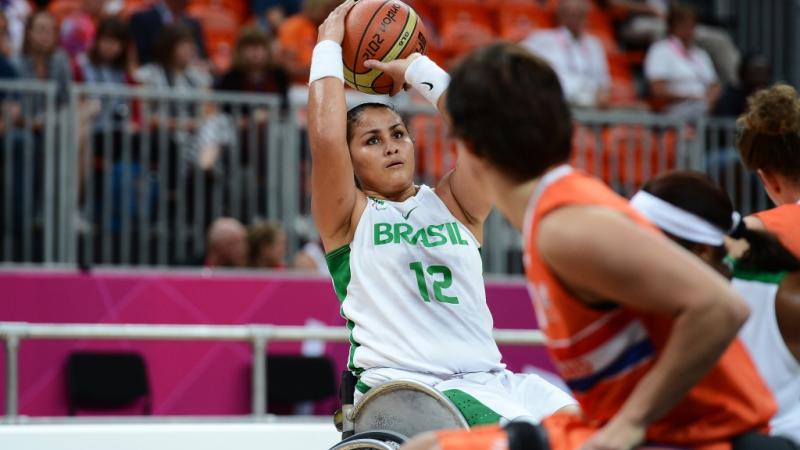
(132, 176)
(29, 161)
(164, 164)
(13, 333)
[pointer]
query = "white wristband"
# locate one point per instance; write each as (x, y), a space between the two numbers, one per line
(326, 61)
(428, 79)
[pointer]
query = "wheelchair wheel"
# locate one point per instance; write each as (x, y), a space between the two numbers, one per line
(372, 440)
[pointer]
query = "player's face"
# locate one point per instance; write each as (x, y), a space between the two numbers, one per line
(382, 152)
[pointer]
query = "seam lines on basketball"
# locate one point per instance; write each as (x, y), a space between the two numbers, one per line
(360, 41)
(409, 27)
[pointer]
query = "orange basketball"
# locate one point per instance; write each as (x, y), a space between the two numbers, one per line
(384, 30)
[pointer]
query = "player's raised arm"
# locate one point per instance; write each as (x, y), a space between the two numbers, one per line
(463, 189)
(333, 193)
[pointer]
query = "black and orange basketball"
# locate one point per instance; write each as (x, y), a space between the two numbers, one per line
(384, 30)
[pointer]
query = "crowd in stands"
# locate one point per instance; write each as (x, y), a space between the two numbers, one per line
(608, 53)
(261, 245)
(645, 54)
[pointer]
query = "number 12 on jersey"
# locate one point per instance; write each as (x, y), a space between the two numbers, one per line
(439, 285)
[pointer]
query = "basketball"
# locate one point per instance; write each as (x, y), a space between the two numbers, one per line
(383, 30)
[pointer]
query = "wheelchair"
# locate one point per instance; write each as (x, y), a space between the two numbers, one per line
(391, 413)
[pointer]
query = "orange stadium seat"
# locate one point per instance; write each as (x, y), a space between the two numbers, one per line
(623, 93)
(464, 26)
(628, 155)
(434, 149)
(517, 20)
(220, 29)
(63, 8)
(237, 7)
(132, 6)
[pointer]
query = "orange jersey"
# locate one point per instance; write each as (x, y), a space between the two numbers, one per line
(603, 353)
(784, 222)
(490, 437)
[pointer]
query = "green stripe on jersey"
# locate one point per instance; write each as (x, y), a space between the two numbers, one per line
(475, 412)
(762, 277)
(339, 267)
(362, 387)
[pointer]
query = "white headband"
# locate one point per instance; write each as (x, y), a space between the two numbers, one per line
(679, 222)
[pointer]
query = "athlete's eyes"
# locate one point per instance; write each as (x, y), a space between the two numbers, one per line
(398, 135)
(373, 140)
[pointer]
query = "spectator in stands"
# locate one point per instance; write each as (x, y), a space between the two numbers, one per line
(7, 69)
(681, 75)
(177, 70)
(267, 245)
(270, 14)
(78, 29)
(297, 37)
(108, 62)
(147, 27)
(755, 74)
(254, 67)
(175, 66)
(577, 57)
(227, 243)
(647, 22)
(16, 12)
(41, 58)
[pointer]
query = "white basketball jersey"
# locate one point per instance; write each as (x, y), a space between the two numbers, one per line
(774, 361)
(411, 289)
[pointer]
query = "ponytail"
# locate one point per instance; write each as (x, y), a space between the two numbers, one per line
(765, 252)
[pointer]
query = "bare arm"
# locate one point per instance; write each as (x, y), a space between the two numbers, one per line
(713, 94)
(615, 258)
(334, 195)
(659, 91)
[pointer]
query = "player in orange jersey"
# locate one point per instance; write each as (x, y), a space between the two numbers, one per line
(769, 142)
(642, 331)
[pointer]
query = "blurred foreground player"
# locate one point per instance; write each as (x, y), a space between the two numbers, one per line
(698, 215)
(642, 331)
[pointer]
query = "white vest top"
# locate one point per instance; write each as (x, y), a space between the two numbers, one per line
(411, 289)
(777, 365)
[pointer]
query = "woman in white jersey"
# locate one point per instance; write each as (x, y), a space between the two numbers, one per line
(697, 214)
(405, 259)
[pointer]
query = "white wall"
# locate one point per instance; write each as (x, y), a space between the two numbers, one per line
(169, 436)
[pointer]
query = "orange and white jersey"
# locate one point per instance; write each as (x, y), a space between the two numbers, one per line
(603, 352)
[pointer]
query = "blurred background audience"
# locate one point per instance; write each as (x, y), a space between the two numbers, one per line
(577, 56)
(148, 24)
(41, 57)
(681, 75)
(227, 244)
(608, 54)
(266, 245)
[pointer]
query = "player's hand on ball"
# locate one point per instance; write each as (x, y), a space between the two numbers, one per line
(616, 435)
(395, 69)
(332, 29)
